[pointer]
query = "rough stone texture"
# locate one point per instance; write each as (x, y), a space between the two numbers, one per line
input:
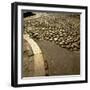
(58, 36)
(60, 28)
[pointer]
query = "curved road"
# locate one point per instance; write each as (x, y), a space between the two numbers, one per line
(39, 69)
(60, 61)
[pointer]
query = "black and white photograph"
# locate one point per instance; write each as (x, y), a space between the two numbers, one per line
(49, 44)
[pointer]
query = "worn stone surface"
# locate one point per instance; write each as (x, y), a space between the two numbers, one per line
(58, 36)
(62, 29)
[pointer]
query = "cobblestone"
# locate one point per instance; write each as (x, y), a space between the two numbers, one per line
(62, 29)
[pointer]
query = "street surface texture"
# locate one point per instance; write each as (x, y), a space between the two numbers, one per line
(58, 37)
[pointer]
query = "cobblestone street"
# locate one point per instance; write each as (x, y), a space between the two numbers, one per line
(58, 36)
